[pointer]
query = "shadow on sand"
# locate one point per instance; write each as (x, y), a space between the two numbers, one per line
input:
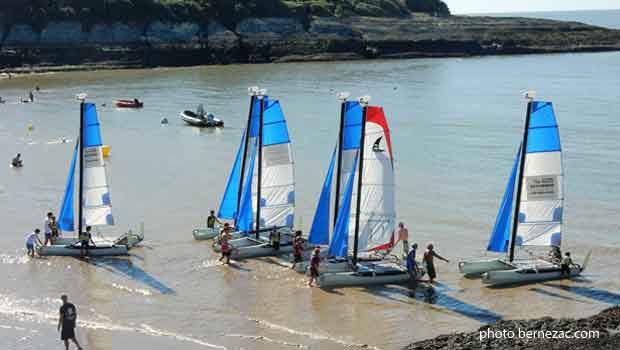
(434, 296)
(126, 267)
(600, 295)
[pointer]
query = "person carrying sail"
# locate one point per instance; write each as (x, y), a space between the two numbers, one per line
(31, 239)
(567, 263)
(212, 219)
(428, 259)
(85, 238)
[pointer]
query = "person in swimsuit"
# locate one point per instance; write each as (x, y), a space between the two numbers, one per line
(314, 266)
(429, 256)
(224, 244)
(403, 235)
(66, 323)
(297, 249)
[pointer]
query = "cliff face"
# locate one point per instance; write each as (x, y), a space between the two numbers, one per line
(118, 44)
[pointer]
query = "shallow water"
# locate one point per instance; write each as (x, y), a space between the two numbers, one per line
(455, 126)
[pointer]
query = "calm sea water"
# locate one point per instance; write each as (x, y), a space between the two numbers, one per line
(602, 18)
(455, 126)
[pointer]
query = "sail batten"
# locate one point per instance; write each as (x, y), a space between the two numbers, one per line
(339, 245)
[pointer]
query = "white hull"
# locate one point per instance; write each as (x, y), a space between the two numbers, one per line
(373, 274)
(260, 250)
(241, 239)
(128, 239)
(473, 269)
(193, 119)
(525, 275)
(73, 250)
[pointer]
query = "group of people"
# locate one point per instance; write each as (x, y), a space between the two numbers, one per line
(52, 232)
(428, 259)
(566, 262)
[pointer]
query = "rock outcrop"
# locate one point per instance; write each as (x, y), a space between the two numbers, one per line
(275, 39)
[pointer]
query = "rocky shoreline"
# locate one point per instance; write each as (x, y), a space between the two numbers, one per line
(72, 45)
(607, 323)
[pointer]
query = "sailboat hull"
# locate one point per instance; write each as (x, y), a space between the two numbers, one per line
(373, 274)
(128, 239)
(201, 234)
(475, 269)
(525, 275)
(74, 250)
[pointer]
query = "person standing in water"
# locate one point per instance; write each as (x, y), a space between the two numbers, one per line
(403, 235)
(314, 266)
(85, 238)
(212, 219)
(17, 161)
(429, 256)
(412, 269)
(66, 323)
(225, 246)
(31, 239)
(47, 227)
(297, 249)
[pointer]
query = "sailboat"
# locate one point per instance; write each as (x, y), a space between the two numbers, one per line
(260, 194)
(367, 210)
(534, 218)
(95, 208)
(342, 163)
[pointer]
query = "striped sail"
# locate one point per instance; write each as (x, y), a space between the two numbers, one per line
(542, 195)
(96, 204)
(377, 217)
(277, 204)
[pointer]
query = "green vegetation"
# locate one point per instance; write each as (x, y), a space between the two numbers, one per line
(227, 11)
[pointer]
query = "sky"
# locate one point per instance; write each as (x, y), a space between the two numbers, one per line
(490, 6)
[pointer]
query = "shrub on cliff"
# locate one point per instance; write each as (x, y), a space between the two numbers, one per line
(435, 7)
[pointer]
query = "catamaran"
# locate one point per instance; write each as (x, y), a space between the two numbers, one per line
(371, 222)
(95, 208)
(537, 179)
(260, 194)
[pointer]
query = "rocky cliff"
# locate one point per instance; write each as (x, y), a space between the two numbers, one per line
(157, 43)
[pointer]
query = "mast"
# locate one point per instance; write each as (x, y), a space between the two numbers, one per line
(260, 95)
(81, 97)
(515, 216)
(251, 92)
(364, 102)
(342, 97)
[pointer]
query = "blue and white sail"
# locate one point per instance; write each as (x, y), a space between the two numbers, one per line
(319, 232)
(66, 218)
(500, 238)
(542, 195)
(277, 203)
(339, 245)
(96, 204)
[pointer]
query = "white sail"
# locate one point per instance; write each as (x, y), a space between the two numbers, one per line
(542, 194)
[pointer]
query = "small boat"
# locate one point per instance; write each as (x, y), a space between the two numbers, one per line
(208, 121)
(135, 103)
(75, 250)
(201, 234)
(262, 169)
(129, 239)
(95, 208)
(537, 182)
(372, 225)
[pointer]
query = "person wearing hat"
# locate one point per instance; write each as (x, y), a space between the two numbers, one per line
(314, 266)
(413, 270)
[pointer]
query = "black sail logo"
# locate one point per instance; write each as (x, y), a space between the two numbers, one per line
(376, 147)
